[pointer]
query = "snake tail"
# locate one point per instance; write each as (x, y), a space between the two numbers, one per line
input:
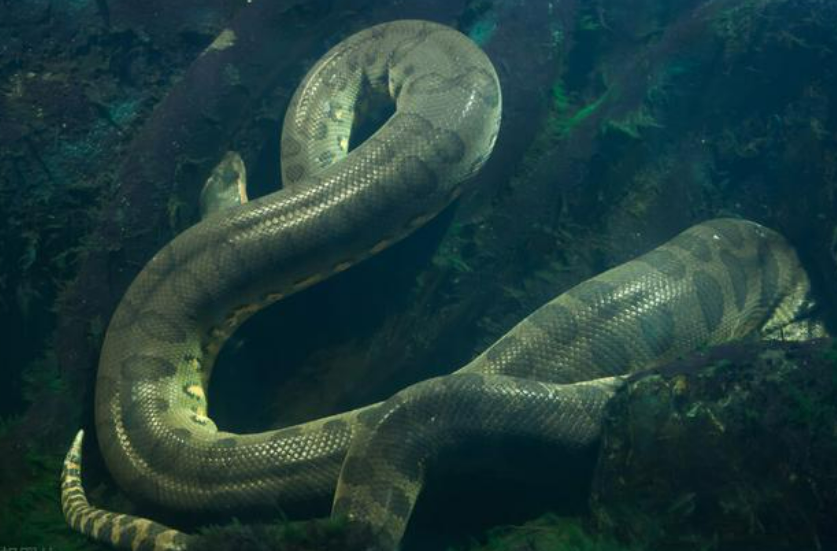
(119, 530)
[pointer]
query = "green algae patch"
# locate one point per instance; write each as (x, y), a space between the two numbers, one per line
(33, 518)
(315, 535)
(548, 533)
(564, 117)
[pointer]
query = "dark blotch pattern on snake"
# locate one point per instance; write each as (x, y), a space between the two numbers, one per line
(549, 378)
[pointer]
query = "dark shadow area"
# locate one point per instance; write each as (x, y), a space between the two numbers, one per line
(287, 342)
(486, 485)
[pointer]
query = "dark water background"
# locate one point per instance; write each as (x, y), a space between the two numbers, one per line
(624, 123)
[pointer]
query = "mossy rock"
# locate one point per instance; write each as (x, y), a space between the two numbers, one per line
(731, 450)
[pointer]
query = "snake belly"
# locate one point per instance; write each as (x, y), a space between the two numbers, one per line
(548, 378)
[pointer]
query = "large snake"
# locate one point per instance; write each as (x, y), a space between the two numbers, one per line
(549, 378)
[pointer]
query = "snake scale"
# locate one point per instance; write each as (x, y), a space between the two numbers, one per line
(549, 378)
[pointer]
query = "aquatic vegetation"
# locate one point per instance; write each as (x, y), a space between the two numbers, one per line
(450, 255)
(33, 518)
(42, 375)
(482, 30)
(733, 447)
(7, 423)
(739, 25)
(549, 533)
(562, 119)
(633, 123)
(479, 19)
(315, 535)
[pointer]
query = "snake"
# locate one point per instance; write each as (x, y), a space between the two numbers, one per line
(549, 378)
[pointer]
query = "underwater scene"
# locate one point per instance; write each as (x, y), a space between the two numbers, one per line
(418, 275)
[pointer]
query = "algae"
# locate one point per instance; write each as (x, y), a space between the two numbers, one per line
(283, 535)
(548, 533)
(33, 519)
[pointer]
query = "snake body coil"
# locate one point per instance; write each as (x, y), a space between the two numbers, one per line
(548, 378)
(155, 363)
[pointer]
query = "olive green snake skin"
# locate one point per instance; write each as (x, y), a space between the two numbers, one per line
(549, 378)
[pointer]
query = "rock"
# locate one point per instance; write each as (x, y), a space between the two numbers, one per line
(735, 447)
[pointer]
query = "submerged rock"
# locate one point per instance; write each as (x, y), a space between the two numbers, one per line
(734, 449)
